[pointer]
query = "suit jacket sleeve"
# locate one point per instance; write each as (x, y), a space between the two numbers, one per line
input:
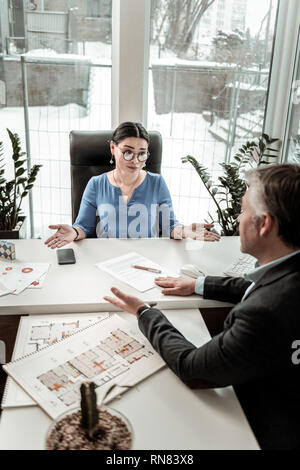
(238, 354)
(226, 289)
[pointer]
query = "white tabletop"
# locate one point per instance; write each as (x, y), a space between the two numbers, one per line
(164, 413)
(81, 287)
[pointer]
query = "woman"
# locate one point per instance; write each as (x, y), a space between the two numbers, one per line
(127, 202)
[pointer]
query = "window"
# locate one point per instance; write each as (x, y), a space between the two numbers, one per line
(99, 8)
(207, 92)
(292, 138)
(66, 75)
(208, 84)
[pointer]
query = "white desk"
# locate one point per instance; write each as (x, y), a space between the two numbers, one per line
(165, 413)
(81, 287)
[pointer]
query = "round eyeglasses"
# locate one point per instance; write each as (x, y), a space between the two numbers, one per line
(128, 155)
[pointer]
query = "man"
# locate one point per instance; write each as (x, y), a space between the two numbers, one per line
(254, 351)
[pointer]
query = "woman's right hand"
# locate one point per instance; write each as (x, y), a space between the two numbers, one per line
(65, 234)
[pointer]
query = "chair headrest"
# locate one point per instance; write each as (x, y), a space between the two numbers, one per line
(90, 156)
(91, 148)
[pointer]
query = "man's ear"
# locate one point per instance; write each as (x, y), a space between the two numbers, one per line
(267, 224)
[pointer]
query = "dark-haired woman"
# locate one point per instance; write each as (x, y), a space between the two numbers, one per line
(127, 202)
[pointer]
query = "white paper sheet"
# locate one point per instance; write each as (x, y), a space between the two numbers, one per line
(38, 283)
(3, 290)
(121, 268)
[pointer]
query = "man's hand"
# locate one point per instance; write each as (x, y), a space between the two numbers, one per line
(176, 285)
(125, 302)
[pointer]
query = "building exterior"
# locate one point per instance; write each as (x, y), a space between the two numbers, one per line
(224, 15)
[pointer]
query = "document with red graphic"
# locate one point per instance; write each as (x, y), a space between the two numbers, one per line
(16, 276)
(38, 283)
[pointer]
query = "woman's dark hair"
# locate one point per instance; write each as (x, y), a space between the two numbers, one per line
(129, 129)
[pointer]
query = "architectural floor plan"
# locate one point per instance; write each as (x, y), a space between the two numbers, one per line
(35, 333)
(110, 351)
(111, 358)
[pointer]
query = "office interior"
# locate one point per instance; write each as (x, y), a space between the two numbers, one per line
(208, 75)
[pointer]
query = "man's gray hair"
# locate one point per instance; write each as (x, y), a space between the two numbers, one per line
(275, 189)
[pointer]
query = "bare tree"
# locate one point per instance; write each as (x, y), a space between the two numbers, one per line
(176, 21)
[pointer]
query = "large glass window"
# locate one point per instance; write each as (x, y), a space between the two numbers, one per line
(208, 81)
(56, 66)
(292, 137)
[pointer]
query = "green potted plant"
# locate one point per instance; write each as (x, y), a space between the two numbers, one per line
(13, 192)
(227, 194)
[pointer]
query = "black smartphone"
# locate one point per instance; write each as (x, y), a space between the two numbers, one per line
(66, 256)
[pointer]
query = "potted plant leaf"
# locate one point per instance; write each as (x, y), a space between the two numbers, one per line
(231, 186)
(90, 427)
(12, 192)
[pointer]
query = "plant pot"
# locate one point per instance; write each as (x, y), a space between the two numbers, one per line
(65, 433)
(20, 231)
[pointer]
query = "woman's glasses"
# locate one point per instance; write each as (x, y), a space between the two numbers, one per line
(129, 155)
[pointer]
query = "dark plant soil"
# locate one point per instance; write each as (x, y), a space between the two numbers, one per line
(68, 434)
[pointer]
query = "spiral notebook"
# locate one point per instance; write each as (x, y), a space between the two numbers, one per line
(110, 351)
(36, 332)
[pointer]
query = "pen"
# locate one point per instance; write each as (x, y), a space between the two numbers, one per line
(145, 268)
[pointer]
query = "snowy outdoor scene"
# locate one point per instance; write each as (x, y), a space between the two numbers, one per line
(206, 96)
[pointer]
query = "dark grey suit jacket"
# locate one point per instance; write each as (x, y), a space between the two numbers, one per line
(253, 352)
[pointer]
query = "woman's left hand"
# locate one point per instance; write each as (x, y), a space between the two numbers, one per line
(200, 232)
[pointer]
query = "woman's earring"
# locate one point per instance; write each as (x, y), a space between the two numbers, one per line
(111, 159)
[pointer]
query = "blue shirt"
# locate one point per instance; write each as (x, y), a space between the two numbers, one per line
(148, 213)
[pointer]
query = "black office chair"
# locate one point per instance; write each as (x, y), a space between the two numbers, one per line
(90, 156)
